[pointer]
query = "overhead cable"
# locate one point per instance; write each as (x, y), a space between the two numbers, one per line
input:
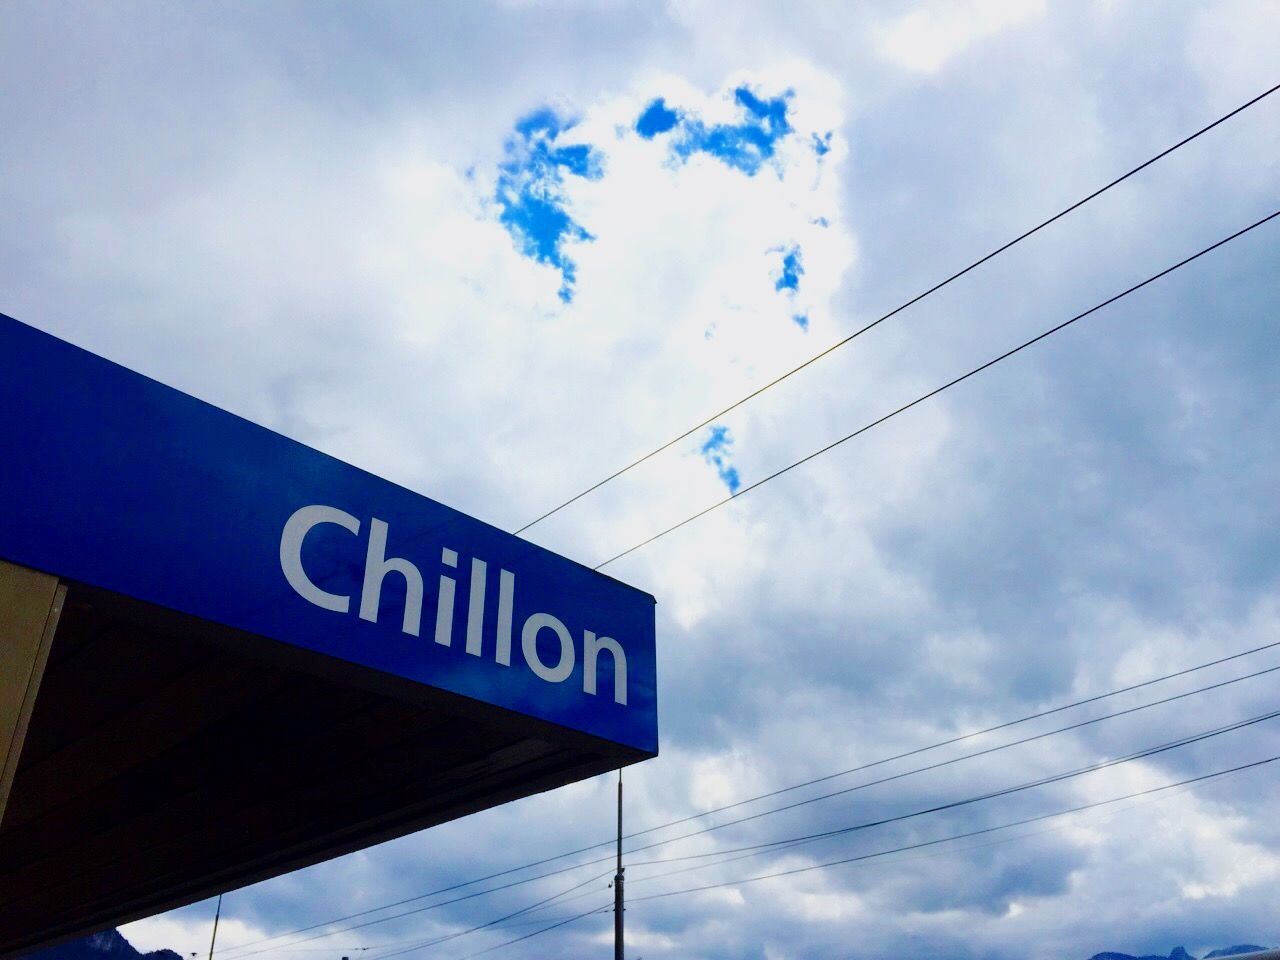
(529, 936)
(796, 841)
(483, 926)
(790, 841)
(729, 806)
(953, 760)
(959, 836)
(903, 306)
(979, 798)
(937, 390)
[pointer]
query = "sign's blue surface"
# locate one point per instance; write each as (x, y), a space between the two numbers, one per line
(114, 480)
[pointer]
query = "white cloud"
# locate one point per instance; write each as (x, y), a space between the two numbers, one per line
(188, 931)
(329, 262)
(930, 36)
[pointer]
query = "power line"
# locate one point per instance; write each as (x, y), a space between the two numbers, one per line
(980, 798)
(898, 309)
(330, 948)
(747, 856)
(944, 763)
(529, 936)
(961, 836)
(526, 922)
(952, 741)
(937, 390)
(809, 838)
(861, 786)
(1171, 791)
(796, 841)
(952, 760)
(462, 933)
(729, 806)
(408, 913)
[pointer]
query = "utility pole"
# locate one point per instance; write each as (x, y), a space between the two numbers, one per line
(617, 882)
(216, 914)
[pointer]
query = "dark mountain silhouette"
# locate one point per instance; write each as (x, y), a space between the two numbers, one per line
(1180, 953)
(111, 945)
(107, 945)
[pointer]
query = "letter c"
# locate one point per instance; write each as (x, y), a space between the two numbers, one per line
(295, 531)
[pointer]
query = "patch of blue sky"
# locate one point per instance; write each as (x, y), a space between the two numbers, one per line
(772, 112)
(792, 270)
(715, 451)
(657, 118)
(822, 144)
(801, 320)
(530, 191)
(745, 146)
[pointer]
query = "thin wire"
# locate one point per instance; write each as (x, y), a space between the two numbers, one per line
(969, 801)
(882, 853)
(730, 806)
(665, 874)
(462, 933)
(954, 740)
(809, 838)
(428, 907)
(527, 922)
(960, 836)
(896, 310)
(793, 841)
(328, 949)
(863, 857)
(528, 936)
(942, 763)
(951, 760)
(946, 386)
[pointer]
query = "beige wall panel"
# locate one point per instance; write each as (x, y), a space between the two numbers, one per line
(30, 603)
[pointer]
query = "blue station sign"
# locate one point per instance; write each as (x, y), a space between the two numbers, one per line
(111, 479)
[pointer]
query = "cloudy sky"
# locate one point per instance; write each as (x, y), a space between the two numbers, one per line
(494, 251)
